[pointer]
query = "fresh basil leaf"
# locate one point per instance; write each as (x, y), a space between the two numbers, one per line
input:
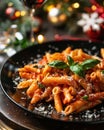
(77, 69)
(70, 60)
(58, 64)
(90, 63)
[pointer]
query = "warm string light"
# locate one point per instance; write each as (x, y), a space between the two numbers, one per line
(40, 38)
(32, 39)
(93, 7)
(13, 12)
(76, 5)
(52, 8)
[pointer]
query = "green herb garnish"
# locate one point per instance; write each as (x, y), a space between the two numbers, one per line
(35, 66)
(40, 85)
(102, 71)
(75, 67)
(80, 68)
(90, 63)
(58, 64)
(85, 97)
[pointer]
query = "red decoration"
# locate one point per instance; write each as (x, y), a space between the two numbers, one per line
(99, 9)
(11, 13)
(91, 33)
(9, 10)
(97, 35)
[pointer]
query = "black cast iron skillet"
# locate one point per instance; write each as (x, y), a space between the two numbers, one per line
(43, 111)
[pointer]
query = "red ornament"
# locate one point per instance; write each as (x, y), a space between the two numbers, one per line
(10, 11)
(96, 35)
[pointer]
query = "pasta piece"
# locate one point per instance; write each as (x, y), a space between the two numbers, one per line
(96, 96)
(79, 55)
(101, 65)
(87, 86)
(54, 56)
(47, 92)
(26, 75)
(31, 68)
(57, 80)
(102, 52)
(67, 51)
(72, 91)
(31, 89)
(96, 57)
(75, 106)
(98, 80)
(36, 96)
(57, 99)
(46, 70)
(88, 105)
(22, 69)
(93, 75)
(24, 84)
(67, 95)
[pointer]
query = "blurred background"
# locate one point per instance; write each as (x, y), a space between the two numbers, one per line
(55, 20)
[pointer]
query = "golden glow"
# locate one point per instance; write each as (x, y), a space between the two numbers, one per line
(50, 7)
(54, 19)
(62, 17)
(10, 4)
(23, 13)
(40, 38)
(76, 5)
(32, 39)
(17, 13)
(93, 7)
(70, 9)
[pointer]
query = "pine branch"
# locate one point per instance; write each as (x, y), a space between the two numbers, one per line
(17, 4)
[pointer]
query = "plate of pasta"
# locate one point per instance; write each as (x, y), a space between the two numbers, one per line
(60, 80)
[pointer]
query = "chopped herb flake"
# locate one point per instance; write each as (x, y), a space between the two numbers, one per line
(85, 97)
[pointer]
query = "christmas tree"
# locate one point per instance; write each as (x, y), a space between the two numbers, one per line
(58, 13)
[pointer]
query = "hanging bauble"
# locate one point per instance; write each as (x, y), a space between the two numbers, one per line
(12, 13)
(96, 34)
(56, 16)
(93, 25)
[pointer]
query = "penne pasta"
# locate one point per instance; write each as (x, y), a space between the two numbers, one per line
(67, 95)
(36, 96)
(102, 52)
(31, 89)
(88, 105)
(57, 99)
(86, 85)
(73, 107)
(47, 92)
(57, 80)
(72, 79)
(25, 84)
